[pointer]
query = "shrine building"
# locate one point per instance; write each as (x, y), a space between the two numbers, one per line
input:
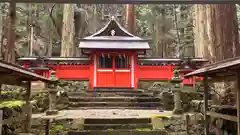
(112, 58)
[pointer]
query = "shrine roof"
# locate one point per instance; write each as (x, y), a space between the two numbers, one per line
(19, 73)
(113, 36)
(157, 59)
(221, 67)
(54, 58)
(173, 61)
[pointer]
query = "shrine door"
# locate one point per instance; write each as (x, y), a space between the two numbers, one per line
(113, 70)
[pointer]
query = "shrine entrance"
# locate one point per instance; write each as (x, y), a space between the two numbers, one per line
(114, 70)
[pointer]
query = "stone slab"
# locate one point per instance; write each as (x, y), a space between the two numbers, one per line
(128, 132)
(103, 113)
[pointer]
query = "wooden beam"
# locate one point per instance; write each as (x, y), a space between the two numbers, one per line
(218, 78)
(205, 85)
(238, 102)
(9, 79)
(222, 116)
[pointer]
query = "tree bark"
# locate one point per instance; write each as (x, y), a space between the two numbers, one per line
(131, 18)
(11, 35)
(216, 38)
(67, 45)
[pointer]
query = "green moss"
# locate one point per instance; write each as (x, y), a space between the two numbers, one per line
(160, 116)
(12, 104)
(58, 128)
(143, 129)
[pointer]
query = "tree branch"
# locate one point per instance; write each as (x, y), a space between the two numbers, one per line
(54, 22)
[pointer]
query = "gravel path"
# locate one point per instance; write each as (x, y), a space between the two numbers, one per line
(104, 113)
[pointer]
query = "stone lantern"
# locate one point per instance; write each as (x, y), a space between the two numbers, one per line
(52, 95)
(176, 81)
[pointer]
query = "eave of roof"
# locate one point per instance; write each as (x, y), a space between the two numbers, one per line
(20, 72)
(231, 64)
(56, 58)
(114, 45)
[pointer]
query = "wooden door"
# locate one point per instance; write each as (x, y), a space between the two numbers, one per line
(105, 72)
(122, 71)
(113, 71)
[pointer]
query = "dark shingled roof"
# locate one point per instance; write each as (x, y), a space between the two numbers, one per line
(231, 64)
(20, 73)
(121, 40)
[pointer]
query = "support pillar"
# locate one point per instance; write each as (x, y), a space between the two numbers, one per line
(1, 121)
(176, 81)
(238, 103)
(28, 111)
(0, 90)
(206, 120)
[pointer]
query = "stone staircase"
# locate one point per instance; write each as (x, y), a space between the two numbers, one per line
(118, 126)
(114, 99)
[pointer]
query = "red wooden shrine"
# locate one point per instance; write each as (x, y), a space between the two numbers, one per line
(112, 57)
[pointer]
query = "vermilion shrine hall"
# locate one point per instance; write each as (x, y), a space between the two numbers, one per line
(112, 58)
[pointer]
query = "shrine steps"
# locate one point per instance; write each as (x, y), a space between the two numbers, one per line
(116, 107)
(114, 104)
(118, 123)
(110, 94)
(118, 132)
(118, 126)
(114, 99)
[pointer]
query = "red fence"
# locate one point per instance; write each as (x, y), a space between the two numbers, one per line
(70, 72)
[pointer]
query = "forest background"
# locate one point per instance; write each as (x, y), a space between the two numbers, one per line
(175, 30)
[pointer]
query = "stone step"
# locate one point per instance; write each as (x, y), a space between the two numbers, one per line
(119, 132)
(117, 120)
(117, 126)
(109, 94)
(117, 90)
(110, 99)
(114, 104)
(116, 107)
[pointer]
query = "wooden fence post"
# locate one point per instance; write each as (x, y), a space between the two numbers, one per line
(187, 123)
(206, 124)
(1, 121)
(28, 112)
(238, 103)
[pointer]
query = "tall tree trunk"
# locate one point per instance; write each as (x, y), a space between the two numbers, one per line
(28, 27)
(1, 31)
(50, 46)
(216, 37)
(67, 45)
(11, 35)
(131, 18)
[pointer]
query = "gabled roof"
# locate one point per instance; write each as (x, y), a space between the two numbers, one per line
(122, 39)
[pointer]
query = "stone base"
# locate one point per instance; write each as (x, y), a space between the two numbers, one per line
(51, 112)
(177, 111)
